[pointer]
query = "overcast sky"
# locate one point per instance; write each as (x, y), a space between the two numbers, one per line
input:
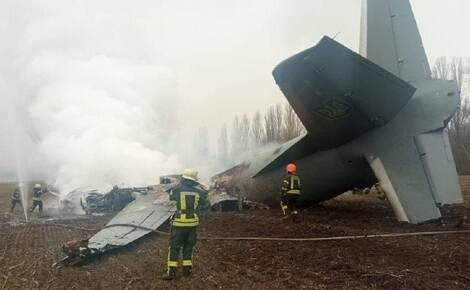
(221, 53)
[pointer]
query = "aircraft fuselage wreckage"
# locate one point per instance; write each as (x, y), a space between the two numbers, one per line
(374, 117)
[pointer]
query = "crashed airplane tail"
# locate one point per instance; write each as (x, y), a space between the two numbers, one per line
(338, 95)
(390, 38)
(377, 117)
(420, 172)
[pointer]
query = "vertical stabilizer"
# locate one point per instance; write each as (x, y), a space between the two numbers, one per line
(391, 39)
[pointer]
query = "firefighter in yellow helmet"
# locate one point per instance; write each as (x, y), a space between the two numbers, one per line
(290, 191)
(37, 198)
(190, 196)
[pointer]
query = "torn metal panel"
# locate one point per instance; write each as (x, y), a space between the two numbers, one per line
(225, 195)
(128, 225)
(215, 198)
(222, 196)
(224, 202)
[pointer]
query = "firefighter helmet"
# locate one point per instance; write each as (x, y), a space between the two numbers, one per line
(291, 168)
(190, 174)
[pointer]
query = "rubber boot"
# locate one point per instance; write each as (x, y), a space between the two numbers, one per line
(295, 216)
(170, 274)
(187, 270)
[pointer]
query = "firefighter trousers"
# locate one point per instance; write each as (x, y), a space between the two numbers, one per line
(14, 202)
(288, 204)
(181, 238)
(36, 203)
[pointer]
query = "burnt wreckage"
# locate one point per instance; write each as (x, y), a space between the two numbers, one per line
(142, 215)
(93, 201)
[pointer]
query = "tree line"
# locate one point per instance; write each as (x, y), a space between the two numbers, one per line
(459, 126)
(278, 124)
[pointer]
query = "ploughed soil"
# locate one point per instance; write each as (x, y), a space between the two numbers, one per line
(28, 250)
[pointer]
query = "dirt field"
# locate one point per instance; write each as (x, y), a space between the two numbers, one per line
(426, 262)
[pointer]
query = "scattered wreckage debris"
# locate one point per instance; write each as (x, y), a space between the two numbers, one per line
(225, 195)
(94, 202)
(170, 179)
(219, 197)
(224, 202)
(148, 212)
(249, 204)
(145, 213)
(75, 251)
(140, 217)
(39, 246)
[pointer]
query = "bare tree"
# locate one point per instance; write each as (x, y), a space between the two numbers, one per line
(269, 125)
(222, 144)
(244, 133)
(235, 138)
(278, 123)
(201, 142)
(459, 126)
(455, 72)
(257, 131)
(273, 124)
(440, 69)
(292, 126)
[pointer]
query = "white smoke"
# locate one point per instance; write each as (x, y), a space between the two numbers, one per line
(101, 119)
(89, 98)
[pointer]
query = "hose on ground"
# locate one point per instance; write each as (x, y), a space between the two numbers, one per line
(282, 239)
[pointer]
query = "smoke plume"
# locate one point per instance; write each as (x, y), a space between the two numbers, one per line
(101, 119)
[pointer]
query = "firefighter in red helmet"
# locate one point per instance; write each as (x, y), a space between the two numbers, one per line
(290, 192)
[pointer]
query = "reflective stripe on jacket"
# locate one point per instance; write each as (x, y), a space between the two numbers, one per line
(291, 185)
(186, 216)
(188, 199)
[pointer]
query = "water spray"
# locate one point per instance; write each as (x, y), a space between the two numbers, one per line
(20, 172)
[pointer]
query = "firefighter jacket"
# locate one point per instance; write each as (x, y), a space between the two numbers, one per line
(291, 185)
(190, 196)
(15, 195)
(37, 194)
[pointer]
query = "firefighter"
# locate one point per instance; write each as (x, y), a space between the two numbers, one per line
(190, 196)
(37, 198)
(290, 191)
(15, 199)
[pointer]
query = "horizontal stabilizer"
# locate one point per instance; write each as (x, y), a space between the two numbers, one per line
(439, 165)
(339, 95)
(402, 176)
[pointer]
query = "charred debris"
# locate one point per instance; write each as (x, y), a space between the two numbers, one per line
(140, 211)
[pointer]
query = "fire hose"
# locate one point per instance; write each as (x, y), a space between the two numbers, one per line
(283, 239)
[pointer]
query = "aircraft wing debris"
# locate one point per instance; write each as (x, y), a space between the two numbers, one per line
(137, 219)
(128, 225)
